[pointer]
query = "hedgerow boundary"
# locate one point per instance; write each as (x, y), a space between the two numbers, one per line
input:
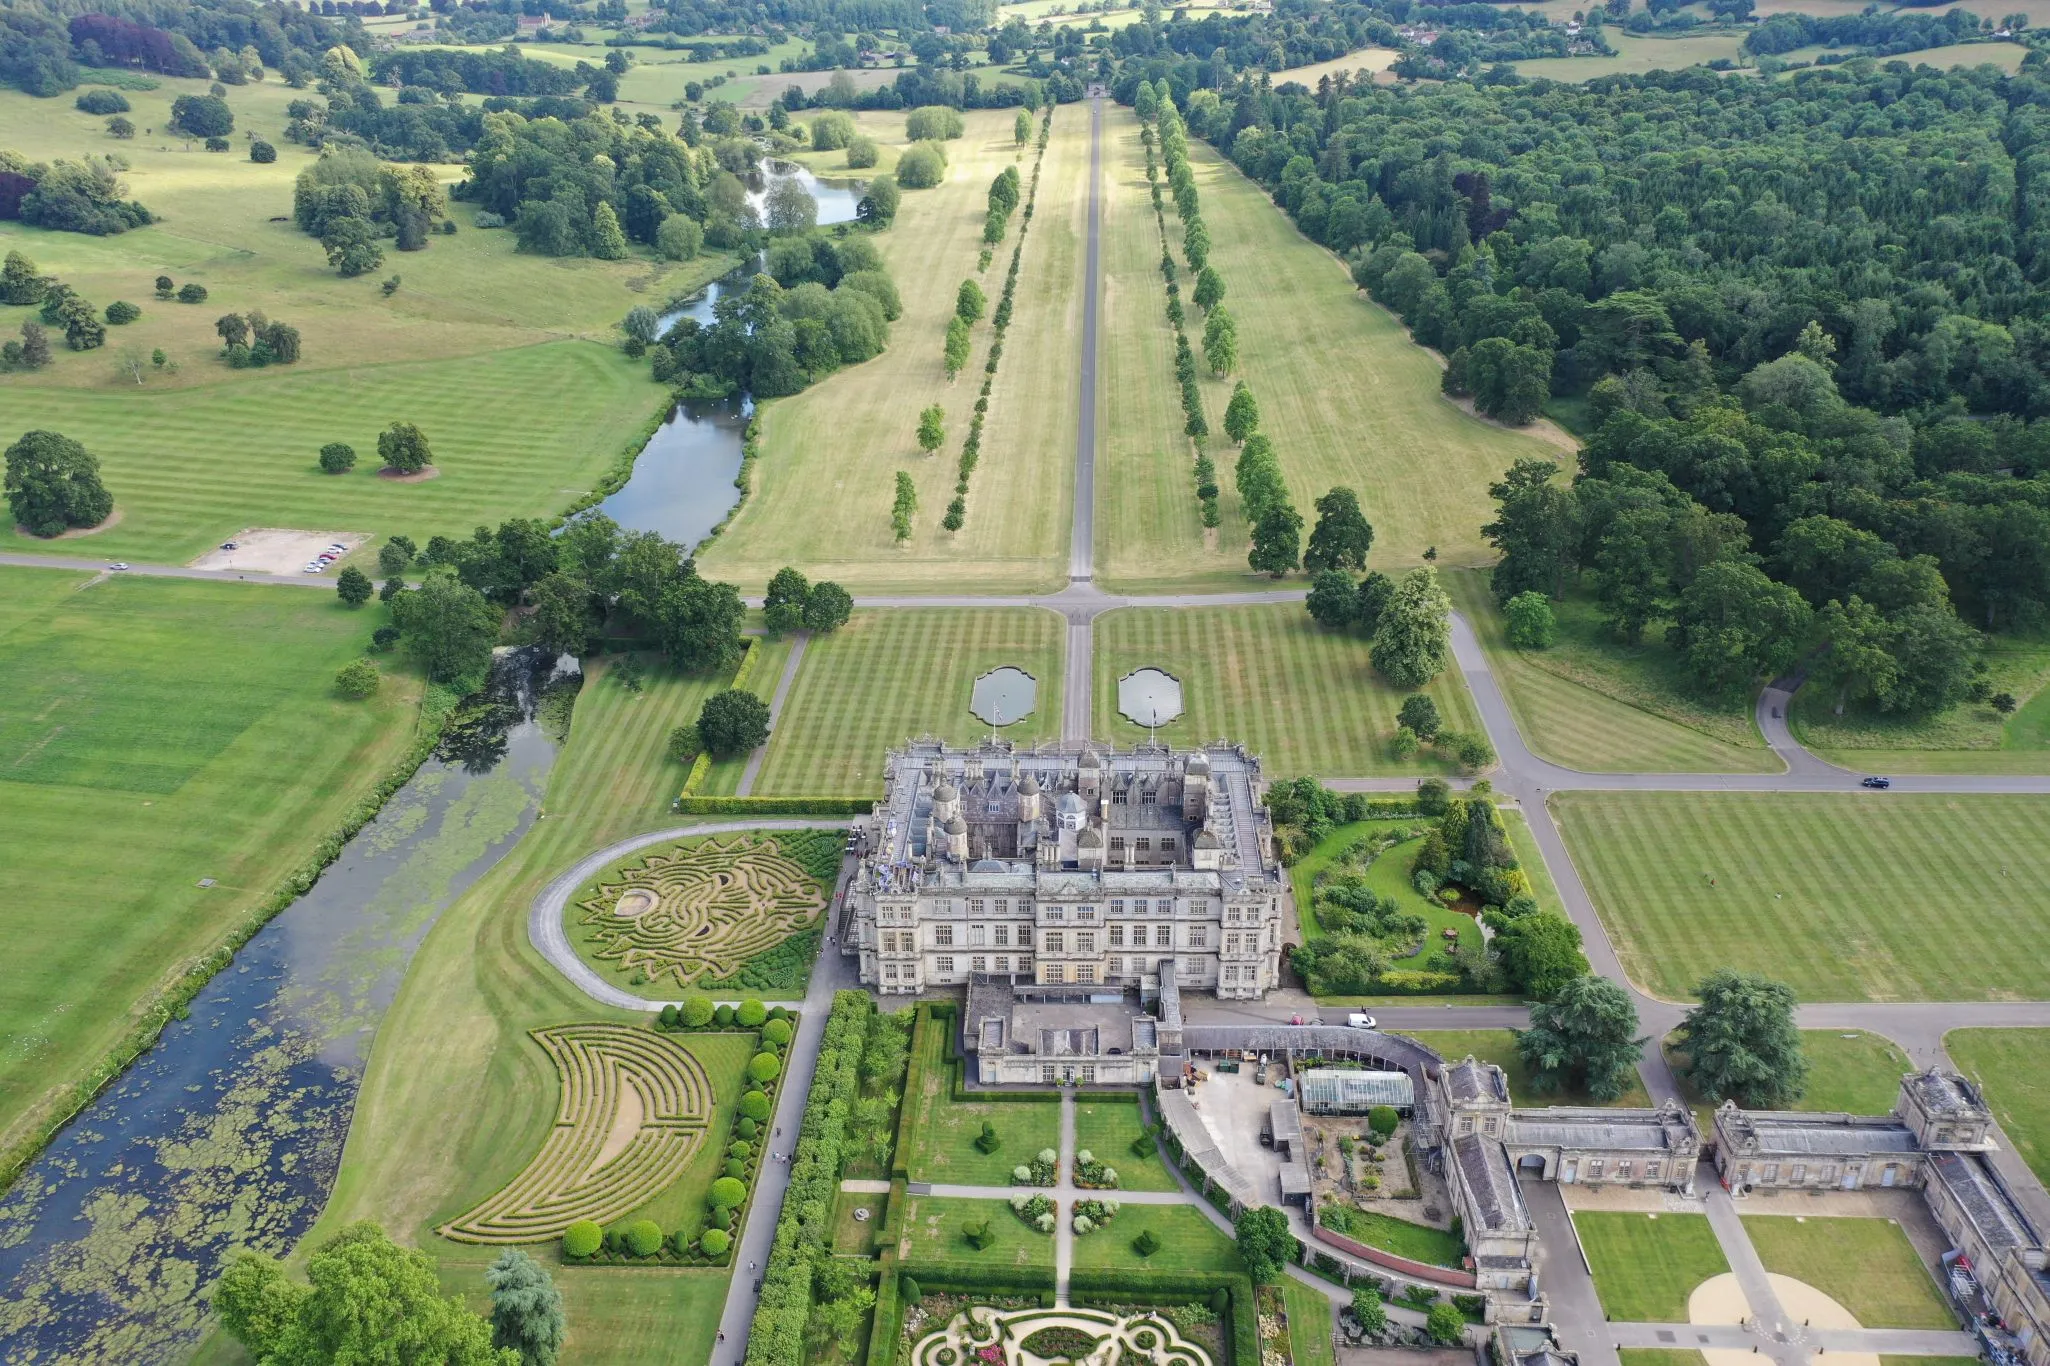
(804, 1230)
(570, 1178)
(33, 1132)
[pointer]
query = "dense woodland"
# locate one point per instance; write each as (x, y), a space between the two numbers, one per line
(44, 43)
(1803, 320)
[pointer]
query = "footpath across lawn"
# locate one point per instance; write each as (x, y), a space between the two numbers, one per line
(1866, 1265)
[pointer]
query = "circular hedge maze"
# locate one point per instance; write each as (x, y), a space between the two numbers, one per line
(635, 1108)
(700, 911)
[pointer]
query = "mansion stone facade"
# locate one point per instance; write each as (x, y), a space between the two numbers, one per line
(1073, 868)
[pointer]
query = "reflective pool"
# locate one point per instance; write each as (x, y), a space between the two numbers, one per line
(1150, 697)
(1004, 695)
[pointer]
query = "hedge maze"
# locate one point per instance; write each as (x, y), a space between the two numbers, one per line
(635, 1107)
(698, 912)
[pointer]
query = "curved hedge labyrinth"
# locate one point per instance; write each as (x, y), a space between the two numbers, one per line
(1121, 1340)
(635, 1108)
(716, 905)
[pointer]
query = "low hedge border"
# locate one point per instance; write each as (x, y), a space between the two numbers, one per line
(1128, 1285)
(437, 705)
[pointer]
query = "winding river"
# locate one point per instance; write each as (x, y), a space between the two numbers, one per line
(228, 1133)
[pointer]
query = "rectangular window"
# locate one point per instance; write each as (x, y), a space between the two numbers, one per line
(1652, 1170)
(890, 972)
(975, 904)
(1163, 907)
(1003, 935)
(944, 963)
(1117, 844)
(1056, 913)
(1117, 967)
(1120, 797)
(1199, 937)
(1085, 972)
(1623, 1170)
(1088, 1073)
(944, 907)
(943, 936)
(1117, 936)
(1142, 844)
(1231, 943)
(1770, 1172)
(1046, 1074)
(1594, 1170)
(1056, 973)
(1138, 936)
(1085, 942)
(1231, 916)
(1003, 962)
(1117, 907)
(1052, 943)
(1231, 974)
(1800, 1172)
(1086, 914)
(975, 936)
(1167, 844)
(978, 964)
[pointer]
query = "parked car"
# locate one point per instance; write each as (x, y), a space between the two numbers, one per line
(1359, 1021)
(315, 568)
(1876, 781)
(229, 545)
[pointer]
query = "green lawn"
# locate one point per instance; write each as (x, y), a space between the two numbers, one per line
(888, 676)
(141, 746)
(1968, 738)
(1498, 1046)
(945, 1149)
(2012, 1066)
(1188, 1241)
(1590, 703)
(1843, 897)
(1866, 1265)
(1638, 54)
(1660, 1356)
(1304, 699)
(190, 467)
(1309, 1324)
(1418, 1242)
(1852, 1071)
(1107, 1128)
(857, 1236)
(1360, 406)
(507, 361)
(935, 1225)
(830, 456)
(1646, 1265)
(724, 779)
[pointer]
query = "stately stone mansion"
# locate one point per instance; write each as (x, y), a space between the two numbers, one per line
(1069, 868)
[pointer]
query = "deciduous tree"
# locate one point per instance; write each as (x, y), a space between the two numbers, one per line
(53, 484)
(1342, 536)
(827, 607)
(403, 447)
(932, 431)
(353, 586)
(1528, 621)
(1277, 540)
(1412, 640)
(1242, 414)
(1333, 599)
(783, 604)
(1265, 1242)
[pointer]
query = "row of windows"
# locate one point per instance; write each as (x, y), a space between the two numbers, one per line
(1626, 1169)
(945, 964)
(1143, 844)
(1081, 974)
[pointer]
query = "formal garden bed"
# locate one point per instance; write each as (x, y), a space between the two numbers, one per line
(718, 913)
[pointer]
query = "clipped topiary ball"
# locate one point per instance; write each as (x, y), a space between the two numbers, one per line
(697, 1011)
(751, 1014)
(777, 1032)
(723, 1017)
(715, 1241)
(746, 1127)
(764, 1066)
(741, 1149)
(755, 1105)
(735, 1168)
(728, 1192)
(582, 1238)
(643, 1237)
